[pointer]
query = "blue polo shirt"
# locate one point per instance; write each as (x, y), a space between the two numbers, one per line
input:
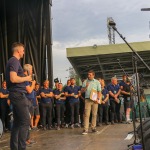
(31, 95)
(58, 101)
(114, 89)
(65, 90)
(5, 92)
(37, 92)
(14, 65)
(46, 91)
(104, 94)
(122, 83)
(70, 89)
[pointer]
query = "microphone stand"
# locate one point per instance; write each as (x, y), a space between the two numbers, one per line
(133, 108)
(136, 56)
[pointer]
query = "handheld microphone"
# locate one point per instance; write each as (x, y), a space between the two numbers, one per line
(33, 76)
(28, 72)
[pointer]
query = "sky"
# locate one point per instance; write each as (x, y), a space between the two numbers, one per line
(77, 23)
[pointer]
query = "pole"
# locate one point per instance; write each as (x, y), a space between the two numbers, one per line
(137, 56)
(46, 65)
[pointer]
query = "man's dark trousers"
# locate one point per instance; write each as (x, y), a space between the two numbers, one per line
(21, 120)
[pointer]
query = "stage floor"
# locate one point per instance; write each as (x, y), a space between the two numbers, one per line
(110, 137)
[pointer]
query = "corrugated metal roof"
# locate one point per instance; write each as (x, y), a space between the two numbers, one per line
(103, 59)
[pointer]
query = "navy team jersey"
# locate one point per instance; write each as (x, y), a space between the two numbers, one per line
(114, 89)
(14, 65)
(57, 92)
(46, 91)
(70, 90)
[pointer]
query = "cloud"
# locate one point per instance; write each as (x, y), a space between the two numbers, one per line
(84, 23)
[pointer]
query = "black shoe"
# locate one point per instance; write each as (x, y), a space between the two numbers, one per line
(106, 123)
(94, 131)
(32, 141)
(28, 144)
(112, 122)
(72, 126)
(35, 128)
(116, 121)
(62, 126)
(44, 128)
(58, 128)
(99, 124)
(49, 128)
(78, 125)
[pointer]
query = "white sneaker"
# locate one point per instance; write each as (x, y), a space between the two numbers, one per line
(129, 121)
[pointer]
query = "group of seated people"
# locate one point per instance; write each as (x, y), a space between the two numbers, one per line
(64, 106)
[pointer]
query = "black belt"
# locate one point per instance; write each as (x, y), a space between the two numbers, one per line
(46, 102)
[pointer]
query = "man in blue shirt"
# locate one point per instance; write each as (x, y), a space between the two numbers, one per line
(87, 87)
(60, 98)
(46, 94)
(103, 107)
(123, 81)
(67, 106)
(16, 85)
(114, 91)
(73, 93)
(4, 108)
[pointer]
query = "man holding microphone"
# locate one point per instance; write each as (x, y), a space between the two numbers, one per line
(90, 105)
(17, 89)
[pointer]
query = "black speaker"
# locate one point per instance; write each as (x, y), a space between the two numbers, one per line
(147, 145)
(146, 133)
(146, 126)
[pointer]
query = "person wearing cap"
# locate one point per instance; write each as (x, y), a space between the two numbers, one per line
(54, 113)
(56, 81)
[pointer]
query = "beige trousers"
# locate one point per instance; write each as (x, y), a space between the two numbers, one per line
(90, 105)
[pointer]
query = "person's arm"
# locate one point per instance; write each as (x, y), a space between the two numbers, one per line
(38, 96)
(106, 99)
(67, 95)
(49, 94)
(29, 88)
(81, 97)
(84, 86)
(64, 97)
(8, 102)
(42, 94)
(118, 93)
(79, 93)
(57, 96)
(14, 78)
(125, 93)
(4, 96)
(111, 94)
(37, 101)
